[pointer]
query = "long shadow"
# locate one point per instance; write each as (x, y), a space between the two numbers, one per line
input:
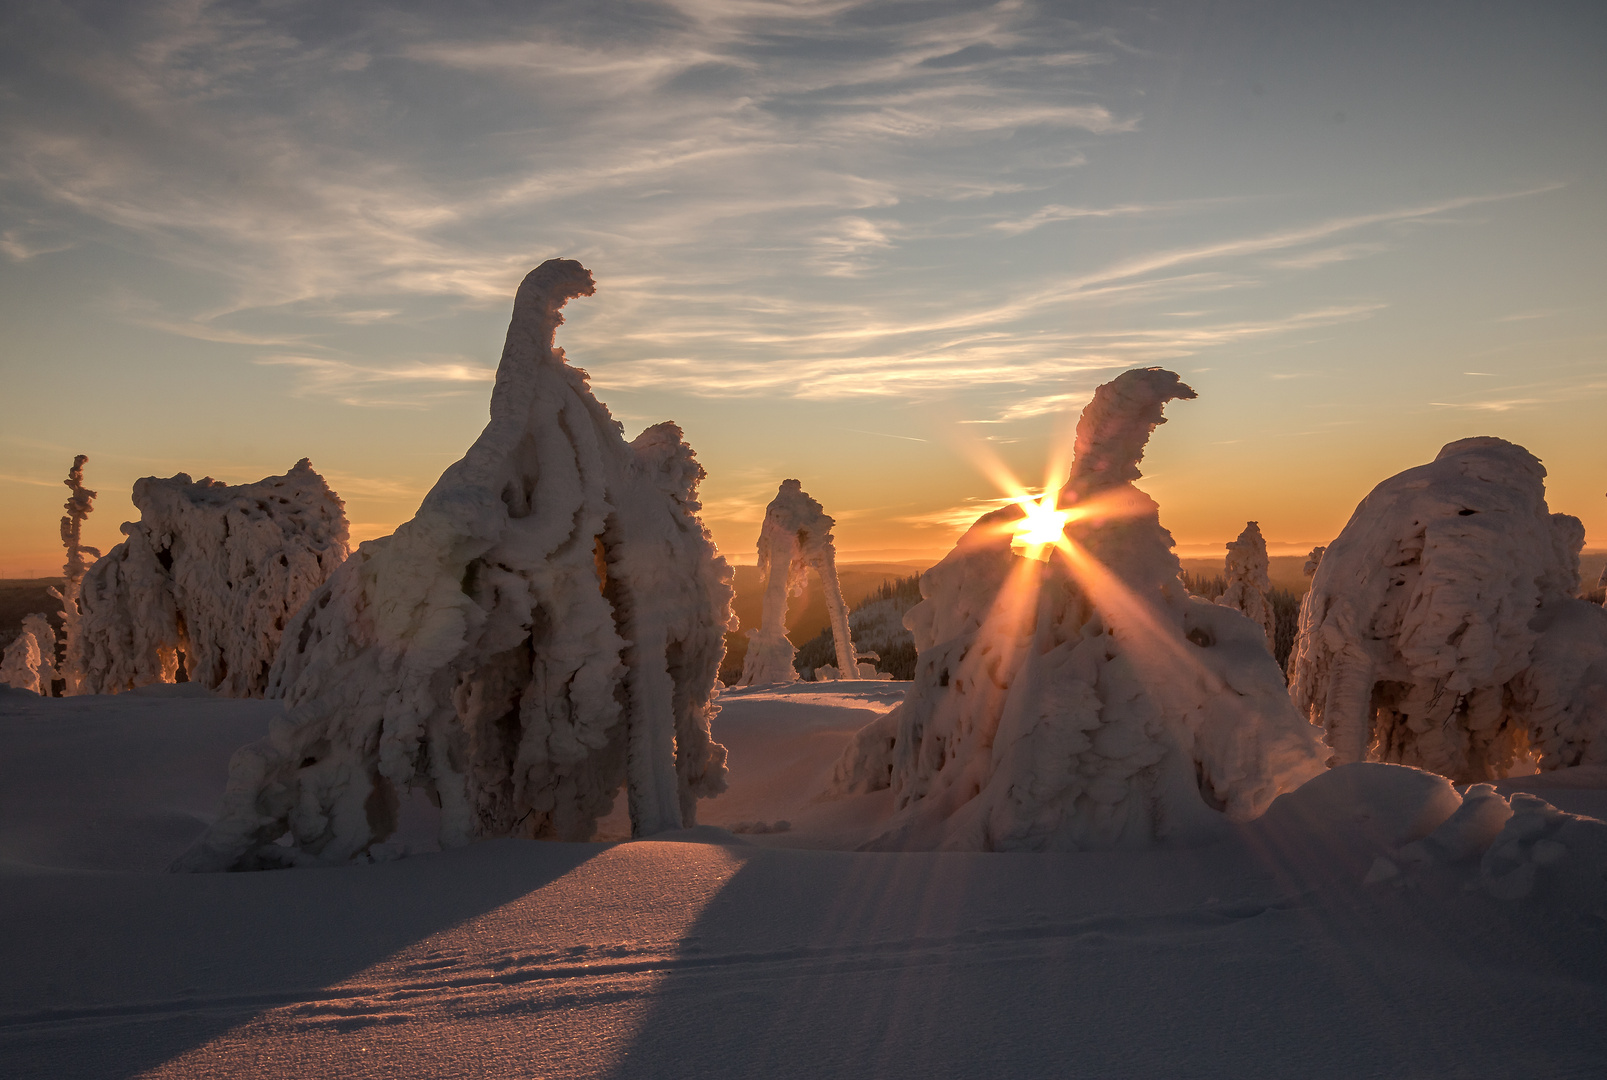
(1255, 958)
(166, 963)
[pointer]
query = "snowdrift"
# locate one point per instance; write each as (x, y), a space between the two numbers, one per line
(208, 578)
(547, 628)
(1442, 629)
(1087, 702)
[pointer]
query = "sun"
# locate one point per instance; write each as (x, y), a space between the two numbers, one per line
(1042, 529)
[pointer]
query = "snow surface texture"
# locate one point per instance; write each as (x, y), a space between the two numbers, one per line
(1247, 581)
(1087, 703)
(513, 958)
(546, 628)
(795, 538)
(1442, 629)
(208, 578)
(27, 661)
(79, 505)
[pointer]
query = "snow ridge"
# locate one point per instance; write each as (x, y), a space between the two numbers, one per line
(547, 627)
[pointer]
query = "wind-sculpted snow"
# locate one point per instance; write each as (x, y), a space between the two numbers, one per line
(795, 538)
(547, 628)
(1442, 629)
(20, 664)
(1086, 702)
(1248, 583)
(208, 579)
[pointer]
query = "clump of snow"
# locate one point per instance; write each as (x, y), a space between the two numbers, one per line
(1089, 701)
(794, 539)
(208, 579)
(1442, 631)
(1247, 582)
(79, 505)
(547, 628)
(19, 668)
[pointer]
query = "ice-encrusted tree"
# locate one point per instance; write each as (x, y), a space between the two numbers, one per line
(207, 578)
(546, 628)
(1248, 583)
(1089, 701)
(795, 538)
(79, 505)
(1442, 629)
(19, 666)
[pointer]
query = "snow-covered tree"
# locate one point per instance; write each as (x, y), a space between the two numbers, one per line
(794, 539)
(1248, 584)
(79, 505)
(1442, 629)
(19, 667)
(548, 627)
(208, 578)
(1085, 702)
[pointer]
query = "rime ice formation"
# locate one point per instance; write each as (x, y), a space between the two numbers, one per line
(795, 538)
(1314, 560)
(79, 505)
(1441, 629)
(1248, 583)
(19, 668)
(546, 628)
(208, 578)
(1089, 702)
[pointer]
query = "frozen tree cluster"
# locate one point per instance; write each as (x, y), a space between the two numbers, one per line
(207, 579)
(1442, 628)
(546, 629)
(1086, 702)
(1247, 581)
(794, 539)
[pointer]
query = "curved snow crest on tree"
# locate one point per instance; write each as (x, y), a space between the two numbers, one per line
(795, 538)
(1088, 702)
(208, 578)
(1442, 629)
(1248, 583)
(547, 627)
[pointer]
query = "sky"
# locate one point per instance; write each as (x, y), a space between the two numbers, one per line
(868, 245)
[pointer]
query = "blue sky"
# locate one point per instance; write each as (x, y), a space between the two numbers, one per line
(859, 244)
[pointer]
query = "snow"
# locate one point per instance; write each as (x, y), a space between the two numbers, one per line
(1088, 701)
(207, 580)
(19, 668)
(794, 539)
(1247, 582)
(1442, 629)
(79, 505)
(546, 629)
(1266, 953)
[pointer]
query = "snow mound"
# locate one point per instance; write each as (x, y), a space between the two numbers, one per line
(546, 628)
(1087, 702)
(1441, 629)
(207, 579)
(1247, 581)
(795, 538)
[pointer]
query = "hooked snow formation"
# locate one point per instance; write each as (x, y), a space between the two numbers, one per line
(795, 538)
(548, 627)
(208, 578)
(1248, 583)
(1089, 702)
(1442, 629)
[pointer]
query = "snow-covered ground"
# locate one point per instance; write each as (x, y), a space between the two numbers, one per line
(777, 953)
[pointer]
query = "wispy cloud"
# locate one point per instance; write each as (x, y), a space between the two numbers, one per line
(402, 385)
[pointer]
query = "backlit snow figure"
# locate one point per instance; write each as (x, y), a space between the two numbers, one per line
(208, 578)
(1248, 583)
(1087, 701)
(795, 538)
(79, 505)
(1442, 629)
(547, 627)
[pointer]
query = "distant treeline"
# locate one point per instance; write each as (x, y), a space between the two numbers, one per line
(895, 658)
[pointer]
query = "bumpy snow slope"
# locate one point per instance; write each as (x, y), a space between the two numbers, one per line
(712, 954)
